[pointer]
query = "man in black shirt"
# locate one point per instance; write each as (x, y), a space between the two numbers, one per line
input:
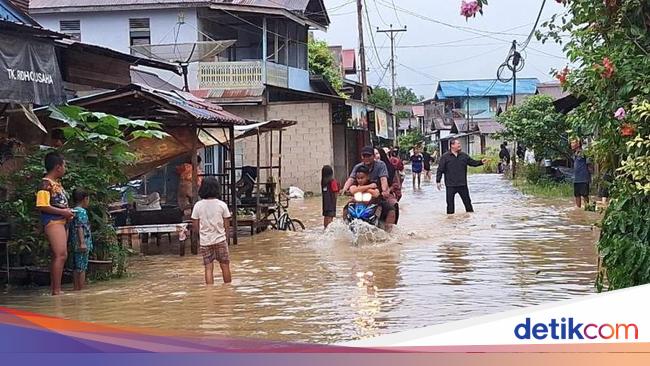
(453, 164)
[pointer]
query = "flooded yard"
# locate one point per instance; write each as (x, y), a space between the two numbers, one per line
(514, 251)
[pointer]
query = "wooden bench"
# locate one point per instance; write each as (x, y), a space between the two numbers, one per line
(134, 235)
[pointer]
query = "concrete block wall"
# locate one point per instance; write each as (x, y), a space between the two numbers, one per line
(307, 146)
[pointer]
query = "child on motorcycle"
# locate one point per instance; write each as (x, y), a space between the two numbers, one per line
(363, 184)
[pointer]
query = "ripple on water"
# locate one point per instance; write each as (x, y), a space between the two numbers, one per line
(513, 251)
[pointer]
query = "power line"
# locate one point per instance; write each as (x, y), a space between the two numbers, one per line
(532, 31)
(372, 35)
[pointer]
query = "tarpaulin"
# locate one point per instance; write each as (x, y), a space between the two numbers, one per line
(29, 72)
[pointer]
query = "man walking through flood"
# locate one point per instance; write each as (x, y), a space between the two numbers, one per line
(453, 164)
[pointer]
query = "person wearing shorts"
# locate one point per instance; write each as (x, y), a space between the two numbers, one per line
(211, 217)
(52, 203)
(582, 174)
(417, 164)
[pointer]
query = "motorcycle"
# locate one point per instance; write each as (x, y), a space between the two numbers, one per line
(362, 209)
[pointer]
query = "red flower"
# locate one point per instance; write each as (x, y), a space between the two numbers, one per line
(562, 75)
(627, 130)
(608, 68)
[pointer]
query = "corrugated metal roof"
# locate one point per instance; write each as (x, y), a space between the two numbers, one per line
(489, 127)
(418, 110)
(294, 5)
(483, 88)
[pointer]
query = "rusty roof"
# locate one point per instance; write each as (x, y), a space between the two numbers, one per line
(314, 10)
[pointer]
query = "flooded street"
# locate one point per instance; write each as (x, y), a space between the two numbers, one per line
(513, 252)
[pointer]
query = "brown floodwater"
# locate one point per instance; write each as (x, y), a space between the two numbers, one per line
(315, 287)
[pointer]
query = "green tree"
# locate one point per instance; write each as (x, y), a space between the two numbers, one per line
(321, 62)
(381, 97)
(406, 96)
(409, 140)
(609, 43)
(536, 124)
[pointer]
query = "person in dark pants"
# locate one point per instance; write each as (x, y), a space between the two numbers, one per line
(453, 164)
(582, 170)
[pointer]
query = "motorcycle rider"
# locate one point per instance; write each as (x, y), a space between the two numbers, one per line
(378, 172)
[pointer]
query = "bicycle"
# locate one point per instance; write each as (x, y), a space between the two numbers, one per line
(280, 219)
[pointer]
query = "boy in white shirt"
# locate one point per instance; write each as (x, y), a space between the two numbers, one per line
(212, 218)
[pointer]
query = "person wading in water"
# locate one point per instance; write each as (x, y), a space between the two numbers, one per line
(453, 164)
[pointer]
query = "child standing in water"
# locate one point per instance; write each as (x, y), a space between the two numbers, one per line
(52, 202)
(80, 238)
(417, 162)
(211, 218)
(330, 189)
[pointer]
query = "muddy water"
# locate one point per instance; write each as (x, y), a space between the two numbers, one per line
(314, 286)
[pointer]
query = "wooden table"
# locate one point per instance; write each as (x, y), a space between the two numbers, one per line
(133, 233)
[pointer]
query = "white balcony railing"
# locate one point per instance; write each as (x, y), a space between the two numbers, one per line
(241, 74)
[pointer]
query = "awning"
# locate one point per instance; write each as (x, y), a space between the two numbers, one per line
(214, 136)
(29, 72)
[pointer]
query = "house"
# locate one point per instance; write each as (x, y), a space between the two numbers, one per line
(553, 89)
(250, 57)
(414, 121)
(467, 110)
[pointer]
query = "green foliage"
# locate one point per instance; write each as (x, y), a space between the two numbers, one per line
(536, 124)
(402, 115)
(321, 62)
(96, 152)
(490, 167)
(544, 188)
(381, 97)
(409, 140)
(609, 41)
(406, 96)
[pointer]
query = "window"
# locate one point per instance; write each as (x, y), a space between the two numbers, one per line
(139, 33)
(493, 105)
(71, 28)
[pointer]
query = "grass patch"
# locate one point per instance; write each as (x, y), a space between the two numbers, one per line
(544, 188)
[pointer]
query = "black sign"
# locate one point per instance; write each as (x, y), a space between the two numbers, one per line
(29, 72)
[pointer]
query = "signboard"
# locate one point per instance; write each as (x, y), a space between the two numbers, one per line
(29, 72)
(381, 123)
(359, 119)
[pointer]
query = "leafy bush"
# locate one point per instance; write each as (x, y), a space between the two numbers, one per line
(96, 152)
(609, 47)
(409, 140)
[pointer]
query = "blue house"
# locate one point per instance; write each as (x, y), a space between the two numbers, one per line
(466, 109)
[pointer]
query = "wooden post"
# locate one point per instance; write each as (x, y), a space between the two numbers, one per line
(279, 187)
(233, 188)
(258, 212)
(195, 189)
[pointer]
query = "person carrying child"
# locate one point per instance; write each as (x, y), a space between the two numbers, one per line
(80, 238)
(362, 184)
(211, 218)
(330, 190)
(52, 202)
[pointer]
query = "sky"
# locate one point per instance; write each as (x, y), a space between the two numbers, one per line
(430, 51)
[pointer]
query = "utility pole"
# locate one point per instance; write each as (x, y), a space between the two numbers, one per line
(392, 33)
(516, 59)
(362, 53)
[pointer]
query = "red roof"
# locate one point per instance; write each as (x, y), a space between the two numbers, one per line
(349, 61)
(418, 110)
